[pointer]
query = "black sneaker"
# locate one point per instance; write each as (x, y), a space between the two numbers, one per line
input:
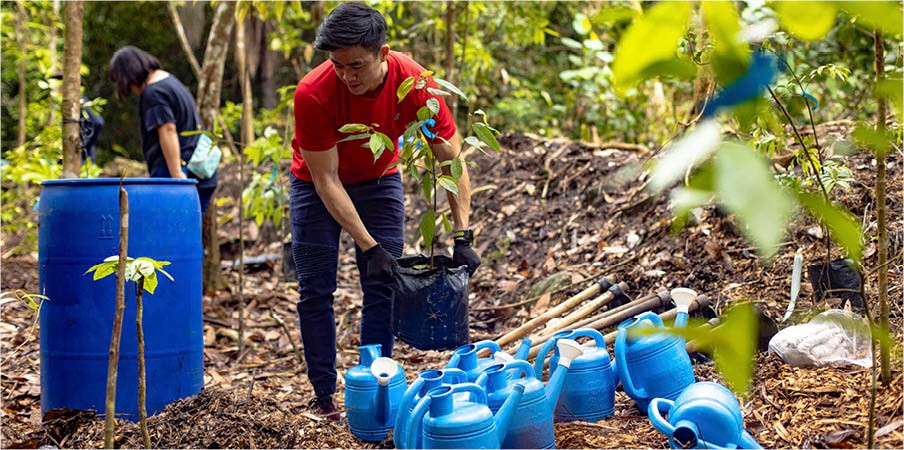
(325, 406)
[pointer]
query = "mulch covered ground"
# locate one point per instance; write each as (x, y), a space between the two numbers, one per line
(539, 209)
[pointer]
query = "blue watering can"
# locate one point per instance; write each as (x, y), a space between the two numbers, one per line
(465, 357)
(589, 395)
(426, 381)
(532, 426)
(450, 421)
(373, 390)
(654, 366)
(705, 415)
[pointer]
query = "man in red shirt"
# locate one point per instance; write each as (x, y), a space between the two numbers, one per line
(338, 185)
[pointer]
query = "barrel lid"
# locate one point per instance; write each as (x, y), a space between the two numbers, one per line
(115, 181)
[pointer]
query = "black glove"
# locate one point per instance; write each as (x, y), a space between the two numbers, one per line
(380, 264)
(463, 254)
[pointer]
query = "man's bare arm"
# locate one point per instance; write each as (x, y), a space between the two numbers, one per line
(324, 167)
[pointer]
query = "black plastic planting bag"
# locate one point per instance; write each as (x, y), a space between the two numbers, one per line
(840, 279)
(430, 306)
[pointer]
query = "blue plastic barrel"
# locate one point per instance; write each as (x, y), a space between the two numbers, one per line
(78, 228)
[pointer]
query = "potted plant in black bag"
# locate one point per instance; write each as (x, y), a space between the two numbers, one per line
(430, 295)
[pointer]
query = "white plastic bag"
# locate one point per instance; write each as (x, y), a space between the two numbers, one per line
(832, 338)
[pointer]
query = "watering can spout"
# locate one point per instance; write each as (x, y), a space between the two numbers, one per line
(685, 434)
(507, 412)
(383, 369)
(568, 351)
(523, 349)
(683, 297)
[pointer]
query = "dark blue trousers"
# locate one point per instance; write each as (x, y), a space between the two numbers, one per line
(315, 244)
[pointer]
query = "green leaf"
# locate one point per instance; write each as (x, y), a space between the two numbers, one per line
(433, 105)
(581, 24)
(679, 69)
(456, 168)
(355, 137)
(424, 113)
(427, 188)
(167, 274)
(869, 137)
(105, 269)
(354, 128)
(885, 16)
(692, 149)
(890, 89)
(845, 230)
(747, 188)
(428, 226)
(447, 226)
(809, 21)
(405, 88)
(387, 142)
(150, 282)
(451, 87)
(473, 141)
(485, 134)
(652, 38)
(730, 57)
(448, 184)
(376, 146)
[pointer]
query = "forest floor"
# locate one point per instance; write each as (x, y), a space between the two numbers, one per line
(541, 208)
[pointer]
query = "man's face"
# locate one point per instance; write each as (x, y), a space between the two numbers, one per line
(358, 68)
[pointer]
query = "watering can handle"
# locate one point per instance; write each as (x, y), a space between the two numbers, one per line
(478, 393)
(541, 356)
(401, 430)
(493, 346)
(591, 333)
(621, 364)
(417, 415)
(655, 409)
(651, 316)
(747, 441)
(452, 375)
(521, 364)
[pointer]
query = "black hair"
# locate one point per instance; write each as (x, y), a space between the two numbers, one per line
(130, 66)
(352, 24)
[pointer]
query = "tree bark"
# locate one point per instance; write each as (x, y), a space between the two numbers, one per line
(209, 89)
(142, 380)
(20, 72)
(247, 135)
(450, 52)
(113, 362)
(71, 108)
(884, 351)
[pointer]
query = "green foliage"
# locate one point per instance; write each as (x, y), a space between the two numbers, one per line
(137, 269)
(732, 344)
(653, 38)
(265, 198)
(32, 301)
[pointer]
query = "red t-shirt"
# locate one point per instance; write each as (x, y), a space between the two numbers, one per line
(323, 104)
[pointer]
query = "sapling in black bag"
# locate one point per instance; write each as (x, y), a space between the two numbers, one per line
(430, 305)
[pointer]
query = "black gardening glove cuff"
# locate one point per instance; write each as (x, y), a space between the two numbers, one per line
(463, 254)
(380, 264)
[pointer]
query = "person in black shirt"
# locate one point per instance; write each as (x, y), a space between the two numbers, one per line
(166, 110)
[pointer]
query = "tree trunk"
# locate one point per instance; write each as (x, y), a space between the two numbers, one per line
(880, 215)
(113, 362)
(19, 24)
(247, 136)
(450, 52)
(142, 380)
(71, 109)
(209, 88)
(183, 39)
